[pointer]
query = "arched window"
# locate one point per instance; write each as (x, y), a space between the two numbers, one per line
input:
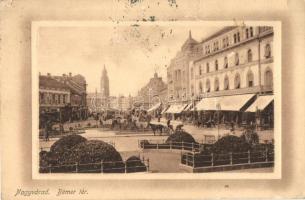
(192, 73)
(208, 67)
(200, 70)
(251, 31)
(216, 84)
(225, 62)
(207, 85)
(192, 90)
(200, 87)
(237, 81)
(238, 37)
(267, 51)
(250, 79)
(247, 33)
(236, 59)
(268, 78)
(216, 65)
(249, 55)
(226, 83)
(235, 39)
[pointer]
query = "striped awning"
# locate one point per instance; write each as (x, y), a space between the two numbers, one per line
(224, 103)
(176, 108)
(260, 103)
(154, 107)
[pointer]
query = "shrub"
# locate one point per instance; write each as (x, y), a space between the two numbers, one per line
(250, 136)
(180, 136)
(43, 162)
(134, 164)
(230, 143)
(66, 143)
(89, 156)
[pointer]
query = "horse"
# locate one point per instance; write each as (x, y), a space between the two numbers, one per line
(156, 127)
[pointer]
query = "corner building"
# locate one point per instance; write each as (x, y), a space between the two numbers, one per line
(235, 60)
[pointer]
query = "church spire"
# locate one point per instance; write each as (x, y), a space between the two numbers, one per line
(190, 34)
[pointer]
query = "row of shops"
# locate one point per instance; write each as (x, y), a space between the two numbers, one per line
(241, 110)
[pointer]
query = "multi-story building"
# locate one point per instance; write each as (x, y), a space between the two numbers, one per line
(178, 78)
(53, 94)
(236, 60)
(226, 71)
(152, 92)
(78, 94)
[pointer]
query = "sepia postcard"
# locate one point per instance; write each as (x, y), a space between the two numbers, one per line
(162, 100)
(151, 99)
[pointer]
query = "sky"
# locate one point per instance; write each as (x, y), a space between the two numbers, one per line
(131, 54)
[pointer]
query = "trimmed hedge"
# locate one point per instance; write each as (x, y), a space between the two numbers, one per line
(180, 136)
(230, 143)
(134, 164)
(89, 155)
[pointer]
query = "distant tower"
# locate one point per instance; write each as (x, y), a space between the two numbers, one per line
(104, 83)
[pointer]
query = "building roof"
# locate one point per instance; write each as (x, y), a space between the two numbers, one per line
(190, 41)
(49, 82)
(218, 33)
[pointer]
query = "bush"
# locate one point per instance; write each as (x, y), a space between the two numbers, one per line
(180, 136)
(250, 136)
(90, 154)
(43, 162)
(66, 143)
(134, 164)
(230, 143)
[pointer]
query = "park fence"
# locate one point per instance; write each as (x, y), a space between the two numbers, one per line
(198, 160)
(162, 144)
(128, 166)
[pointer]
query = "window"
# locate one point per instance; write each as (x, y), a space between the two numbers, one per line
(238, 37)
(236, 59)
(249, 55)
(223, 42)
(200, 70)
(247, 33)
(235, 39)
(250, 79)
(208, 68)
(207, 85)
(64, 99)
(200, 87)
(226, 83)
(268, 78)
(216, 84)
(251, 31)
(192, 73)
(225, 62)
(267, 51)
(237, 81)
(192, 90)
(216, 65)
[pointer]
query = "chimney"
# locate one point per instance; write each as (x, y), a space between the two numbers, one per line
(70, 74)
(48, 74)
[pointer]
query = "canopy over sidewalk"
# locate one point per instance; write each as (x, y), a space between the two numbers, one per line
(224, 103)
(154, 107)
(176, 108)
(260, 103)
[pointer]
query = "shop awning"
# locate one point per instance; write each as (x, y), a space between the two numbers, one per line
(165, 109)
(224, 103)
(260, 103)
(176, 108)
(234, 103)
(154, 107)
(208, 104)
(188, 107)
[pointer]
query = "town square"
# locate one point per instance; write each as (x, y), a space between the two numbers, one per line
(179, 100)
